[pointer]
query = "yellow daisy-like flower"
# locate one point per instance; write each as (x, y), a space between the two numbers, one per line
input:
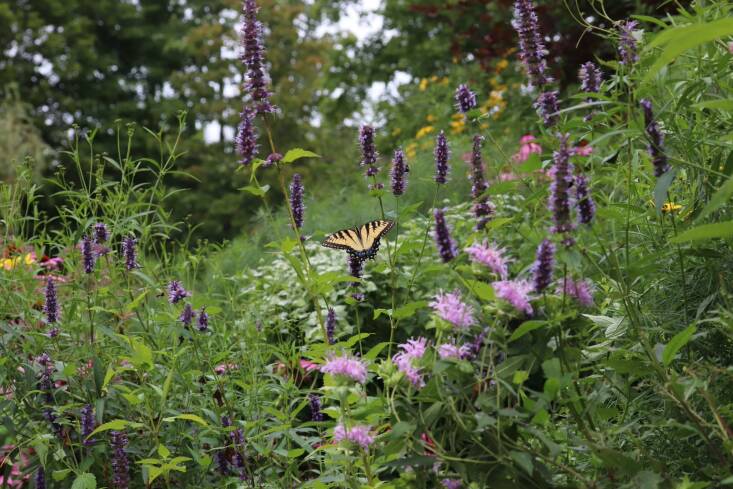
(458, 126)
(502, 65)
(424, 131)
(423, 84)
(431, 118)
(30, 258)
(411, 150)
(670, 207)
(10, 263)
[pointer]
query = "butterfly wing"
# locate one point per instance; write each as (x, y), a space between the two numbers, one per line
(346, 239)
(371, 232)
(361, 242)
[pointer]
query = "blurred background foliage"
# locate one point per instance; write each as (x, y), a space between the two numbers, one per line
(104, 63)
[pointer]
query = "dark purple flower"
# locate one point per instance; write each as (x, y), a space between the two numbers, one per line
(246, 139)
(584, 201)
(120, 463)
(296, 200)
(656, 140)
(559, 202)
(442, 154)
(483, 209)
(187, 315)
(272, 159)
(371, 171)
(368, 148)
(101, 233)
(222, 462)
(532, 49)
(176, 292)
(53, 332)
(88, 423)
(315, 404)
(399, 173)
(471, 349)
(355, 266)
(544, 265)
(590, 77)
(627, 47)
(87, 254)
(129, 252)
(45, 379)
(40, 478)
(203, 319)
(254, 59)
(446, 246)
(330, 326)
(465, 99)
(51, 306)
(547, 106)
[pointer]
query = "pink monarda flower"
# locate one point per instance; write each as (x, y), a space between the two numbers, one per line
(515, 292)
(580, 290)
(583, 150)
(346, 366)
(527, 146)
(490, 255)
(449, 307)
(451, 350)
(358, 435)
(412, 351)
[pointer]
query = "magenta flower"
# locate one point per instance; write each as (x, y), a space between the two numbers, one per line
(451, 350)
(527, 147)
(412, 351)
(346, 367)
(580, 290)
(586, 150)
(449, 307)
(516, 293)
(490, 255)
(358, 435)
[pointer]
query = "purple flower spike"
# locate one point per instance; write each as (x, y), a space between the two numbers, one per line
(446, 246)
(559, 203)
(101, 233)
(465, 99)
(88, 423)
(187, 315)
(656, 140)
(627, 45)
(366, 143)
(532, 49)
(203, 319)
(246, 139)
(40, 478)
(272, 159)
(330, 326)
(483, 209)
(544, 265)
(129, 251)
(120, 463)
(315, 405)
(590, 77)
(176, 292)
(442, 154)
(87, 254)
(254, 59)
(399, 173)
(547, 106)
(584, 201)
(296, 200)
(355, 267)
(51, 306)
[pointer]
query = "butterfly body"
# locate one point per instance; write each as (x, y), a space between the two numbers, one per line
(360, 242)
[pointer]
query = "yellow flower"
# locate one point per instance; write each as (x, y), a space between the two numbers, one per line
(410, 150)
(458, 126)
(444, 81)
(423, 84)
(502, 65)
(431, 118)
(10, 263)
(424, 131)
(434, 78)
(670, 207)
(30, 258)
(484, 125)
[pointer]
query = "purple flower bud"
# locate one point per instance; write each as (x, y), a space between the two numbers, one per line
(101, 233)
(176, 292)
(40, 478)
(368, 148)
(129, 252)
(442, 154)
(120, 463)
(330, 326)
(446, 246)
(51, 306)
(254, 59)
(532, 49)
(272, 159)
(627, 46)
(371, 171)
(88, 423)
(296, 200)
(187, 315)
(559, 202)
(656, 140)
(315, 405)
(53, 332)
(246, 139)
(399, 173)
(544, 265)
(465, 99)
(87, 254)
(584, 201)
(203, 319)
(482, 207)
(547, 106)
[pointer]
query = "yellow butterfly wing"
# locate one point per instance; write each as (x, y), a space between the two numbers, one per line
(372, 231)
(346, 239)
(362, 242)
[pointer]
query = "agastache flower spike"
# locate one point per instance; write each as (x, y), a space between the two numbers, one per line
(399, 173)
(315, 405)
(465, 99)
(120, 463)
(559, 202)
(187, 315)
(296, 200)
(203, 319)
(253, 58)
(129, 252)
(442, 154)
(482, 208)
(583, 200)
(532, 50)
(446, 246)
(246, 139)
(547, 106)
(87, 254)
(656, 140)
(366, 143)
(590, 77)
(544, 265)
(627, 46)
(176, 292)
(39, 478)
(88, 423)
(51, 307)
(330, 326)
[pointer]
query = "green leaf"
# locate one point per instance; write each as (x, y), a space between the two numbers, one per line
(117, 425)
(298, 153)
(704, 232)
(141, 353)
(408, 310)
(187, 417)
(482, 290)
(721, 104)
(375, 350)
(525, 328)
(295, 452)
(256, 190)
(520, 376)
(720, 197)
(59, 475)
(85, 481)
(163, 451)
(524, 460)
(676, 343)
(532, 163)
(136, 302)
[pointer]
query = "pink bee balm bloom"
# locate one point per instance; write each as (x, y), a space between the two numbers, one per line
(585, 150)
(307, 365)
(449, 307)
(580, 290)
(358, 435)
(515, 292)
(448, 350)
(527, 146)
(490, 255)
(411, 351)
(346, 366)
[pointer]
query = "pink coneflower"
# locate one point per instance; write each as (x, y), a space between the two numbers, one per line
(358, 435)
(580, 290)
(515, 292)
(449, 307)
(490, 255)
(527, 146)
(346, 367)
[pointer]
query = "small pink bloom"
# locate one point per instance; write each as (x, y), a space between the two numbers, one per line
(346, 366)
(307, 365)
(449, 307)
(358, 435)
(527, 146)
(224, 368)
(583, 150)
(490, 255)
(448, 350)
(507, 176)
(580, 290)
(515, 292)
(730, 47)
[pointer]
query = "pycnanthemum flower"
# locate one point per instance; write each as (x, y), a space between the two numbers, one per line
(442, 154)
(451, 308)
(544, 265)
(527, 146)
(580, 290)
(399, 173)
(490, 255)
(253, 57)
(129, 252)
(516, 293)
(176, 292)
(446, 246)
(346, 366)
(412, 351)
(88, 423)
(656, 140)
(627, 46)
(465, 99)
(120, 463)
(246, 139)
(51, 306)
(358, 435)
(330, 326)
(532, 49)
(584, 201)
(559, 203)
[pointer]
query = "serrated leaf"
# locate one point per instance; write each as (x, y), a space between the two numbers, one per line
(705, 232)
(85, 481)
(676, 343)
(298, 153)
